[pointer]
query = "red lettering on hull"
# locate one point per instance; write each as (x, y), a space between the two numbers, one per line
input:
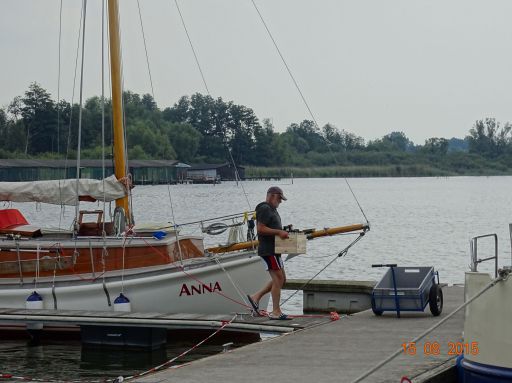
(200, 288)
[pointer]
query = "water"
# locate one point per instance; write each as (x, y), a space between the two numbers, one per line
(414, 221)
(68, 360)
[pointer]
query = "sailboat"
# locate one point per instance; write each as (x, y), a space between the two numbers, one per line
(154, 268)
(86, 268)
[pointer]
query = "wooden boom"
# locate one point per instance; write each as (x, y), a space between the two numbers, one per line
(311, 235)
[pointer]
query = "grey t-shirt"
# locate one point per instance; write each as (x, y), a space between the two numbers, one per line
(268, 216)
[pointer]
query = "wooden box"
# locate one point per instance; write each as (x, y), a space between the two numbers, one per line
(295, 244)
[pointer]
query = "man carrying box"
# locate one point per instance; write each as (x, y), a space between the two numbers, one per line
(268, 226)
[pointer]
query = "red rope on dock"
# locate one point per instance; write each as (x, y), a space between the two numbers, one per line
(154, 369)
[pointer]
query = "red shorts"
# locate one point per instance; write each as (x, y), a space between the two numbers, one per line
(274, 262)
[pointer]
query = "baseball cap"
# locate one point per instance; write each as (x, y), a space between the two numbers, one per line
(276, 190)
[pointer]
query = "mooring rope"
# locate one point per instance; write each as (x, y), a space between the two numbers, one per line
(159, 367)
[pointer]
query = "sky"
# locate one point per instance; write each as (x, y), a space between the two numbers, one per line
(428, 68)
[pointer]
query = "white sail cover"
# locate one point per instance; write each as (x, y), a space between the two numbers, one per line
(62, 192)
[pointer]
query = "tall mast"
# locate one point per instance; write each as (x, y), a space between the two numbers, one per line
(120, 166)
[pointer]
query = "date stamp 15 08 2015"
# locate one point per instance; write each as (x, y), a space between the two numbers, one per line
(436, 348)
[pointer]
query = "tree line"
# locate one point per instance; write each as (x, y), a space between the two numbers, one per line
(199, 129)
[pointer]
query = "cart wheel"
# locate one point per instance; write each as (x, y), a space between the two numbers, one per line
(377, 312)
(435, 300)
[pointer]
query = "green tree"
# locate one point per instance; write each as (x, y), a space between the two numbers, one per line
(435, 146)
(155, 144)
(488, 139)
(3, 123)
(342, 140)
(306, 136)
(221, 124)
(394, 141)
(39, 116)
(185, 139)
(265, 151)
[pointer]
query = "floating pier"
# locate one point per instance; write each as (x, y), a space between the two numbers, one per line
(327, 295)
(340, 351)
(242, 322)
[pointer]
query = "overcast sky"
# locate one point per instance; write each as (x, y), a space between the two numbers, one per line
(428, 68)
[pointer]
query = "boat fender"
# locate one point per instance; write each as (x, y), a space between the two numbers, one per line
(34, 302)
(122, 303)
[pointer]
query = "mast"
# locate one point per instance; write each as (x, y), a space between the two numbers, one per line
(120, 166)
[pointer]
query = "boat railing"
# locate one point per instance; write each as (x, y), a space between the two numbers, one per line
(473, 245)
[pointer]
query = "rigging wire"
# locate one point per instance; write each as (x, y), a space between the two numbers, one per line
(304, 101)
(174, 222)
(284, 62)
(502, 277)
(68, 144)
(237, 175)
(77, 55)
(192, 47)
(77, 208)
(146, 50)
(58, 79)
(340, 254)
(58, 100)
(103, 113)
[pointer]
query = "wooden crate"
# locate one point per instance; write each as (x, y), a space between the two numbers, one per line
(295, 244)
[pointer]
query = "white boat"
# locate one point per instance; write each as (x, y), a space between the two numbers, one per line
(487, 345)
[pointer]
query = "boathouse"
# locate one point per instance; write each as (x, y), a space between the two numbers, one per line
(142, 171)
(215, 172)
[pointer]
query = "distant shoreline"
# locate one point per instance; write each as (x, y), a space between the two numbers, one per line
(367, 171)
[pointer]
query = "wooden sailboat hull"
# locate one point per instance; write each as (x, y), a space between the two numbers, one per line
(33, 258)
(201, 286)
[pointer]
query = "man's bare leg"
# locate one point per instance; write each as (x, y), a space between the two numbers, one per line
(278, 278)
(265, 290)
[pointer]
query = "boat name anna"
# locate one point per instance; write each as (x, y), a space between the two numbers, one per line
(201, 288)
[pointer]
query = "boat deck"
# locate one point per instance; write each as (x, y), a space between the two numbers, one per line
(339, 351)
(242, 322)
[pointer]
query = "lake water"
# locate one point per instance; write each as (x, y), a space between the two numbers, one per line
(414, 222)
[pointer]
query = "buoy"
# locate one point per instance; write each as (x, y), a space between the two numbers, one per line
(34, 302)
(121, 303)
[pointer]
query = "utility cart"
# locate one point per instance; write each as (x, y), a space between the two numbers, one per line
(407, 289)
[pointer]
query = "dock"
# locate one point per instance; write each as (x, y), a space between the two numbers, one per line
(338, 351)
(242, 323)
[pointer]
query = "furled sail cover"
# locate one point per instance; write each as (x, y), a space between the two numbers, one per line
(62, 192)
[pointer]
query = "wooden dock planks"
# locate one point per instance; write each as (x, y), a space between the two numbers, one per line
(242, 322)
(338, 352)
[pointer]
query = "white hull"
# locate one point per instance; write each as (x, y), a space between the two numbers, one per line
(203, 287)
(487, 321)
